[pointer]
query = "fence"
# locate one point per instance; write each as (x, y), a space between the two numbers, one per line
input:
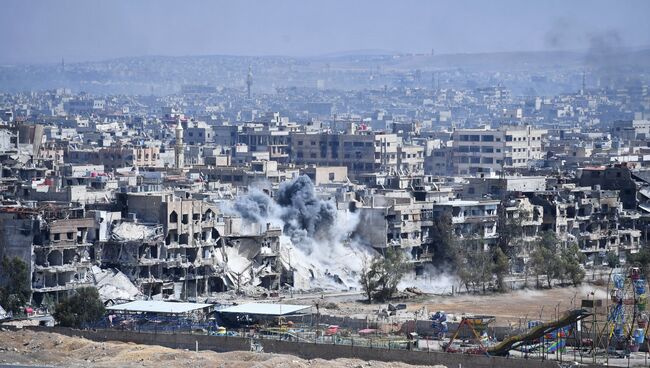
(323, 350)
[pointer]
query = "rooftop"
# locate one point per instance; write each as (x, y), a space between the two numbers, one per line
(156, 306)
(265, 309)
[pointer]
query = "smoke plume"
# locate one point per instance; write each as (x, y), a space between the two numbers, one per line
(304, 214)
(317, 237)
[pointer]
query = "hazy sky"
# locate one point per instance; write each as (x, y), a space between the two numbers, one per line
(47, 30)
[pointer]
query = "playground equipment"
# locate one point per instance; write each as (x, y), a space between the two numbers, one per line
(555, 332)
(627, 319)
(540, 331)
(477, 325)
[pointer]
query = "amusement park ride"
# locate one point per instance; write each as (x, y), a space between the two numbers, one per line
(622, 328)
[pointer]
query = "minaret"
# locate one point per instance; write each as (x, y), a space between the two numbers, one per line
(179, 149)
(249, 81)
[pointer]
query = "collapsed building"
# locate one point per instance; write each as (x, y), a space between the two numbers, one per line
(184, 248)
(53, 240)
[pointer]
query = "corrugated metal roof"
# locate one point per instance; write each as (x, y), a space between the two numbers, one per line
(265, 309)
(157, 306)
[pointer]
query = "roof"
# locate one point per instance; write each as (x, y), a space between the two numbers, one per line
(265, 309)
(156, 306)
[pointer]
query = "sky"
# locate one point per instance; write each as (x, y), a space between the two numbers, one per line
(44, 31)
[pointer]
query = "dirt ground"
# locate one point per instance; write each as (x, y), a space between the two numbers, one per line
(509, 308)
(54, 350)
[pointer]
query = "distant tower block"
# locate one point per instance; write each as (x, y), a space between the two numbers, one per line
(249, 81)
(179, 149)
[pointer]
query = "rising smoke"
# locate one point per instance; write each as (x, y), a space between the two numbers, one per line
(316, 235)
(304, 214)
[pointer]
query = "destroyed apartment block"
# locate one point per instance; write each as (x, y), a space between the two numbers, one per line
(54, 241)
(184, 248)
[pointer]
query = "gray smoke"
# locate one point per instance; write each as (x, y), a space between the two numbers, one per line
(604, 48)
(559, 34)
(606, 56)
(316, 240)
(304, 214)
(254, 206)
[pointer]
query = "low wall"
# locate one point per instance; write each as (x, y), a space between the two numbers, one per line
(301, 349)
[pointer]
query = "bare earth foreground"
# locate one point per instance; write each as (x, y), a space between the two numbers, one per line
(49, 349)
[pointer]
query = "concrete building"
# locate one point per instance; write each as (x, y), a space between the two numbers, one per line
(484, 151)
(360, 153)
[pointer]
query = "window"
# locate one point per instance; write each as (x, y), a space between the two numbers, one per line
(300, 143)
(508, 138)
(186, 218)
(331, 176)
(487, 138)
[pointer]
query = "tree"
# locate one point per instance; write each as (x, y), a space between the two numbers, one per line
(571, 264)
(545, 259)
(500, 268)
(15, 277)
(445, 246)
(368, 280)
(380, 279)
(475, 267)
(83, 307)
(612, 260)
